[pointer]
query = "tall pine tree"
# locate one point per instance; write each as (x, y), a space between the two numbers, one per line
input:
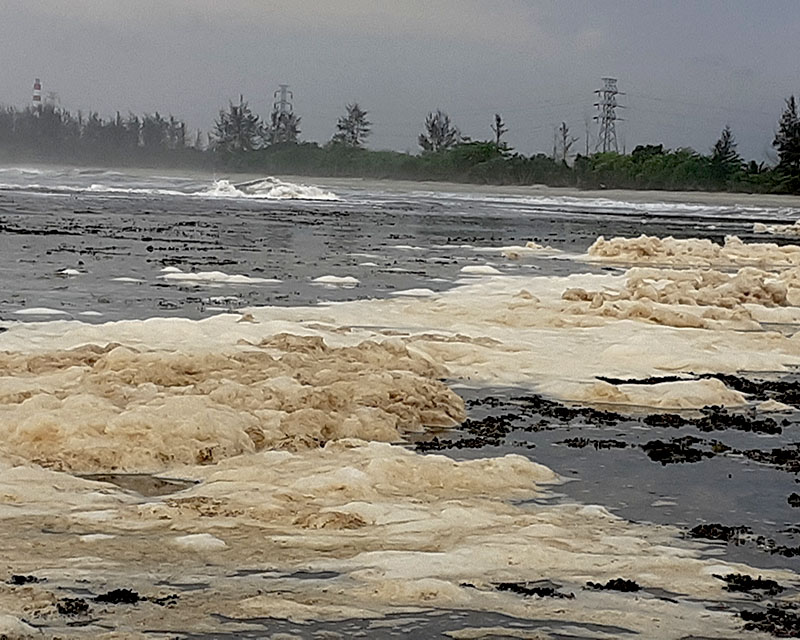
(725, 160)
(237, 130)
(353, 128)
(787, 140)
(439, 134)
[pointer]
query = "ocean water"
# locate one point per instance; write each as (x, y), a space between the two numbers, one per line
(244, 399)
(85, 242)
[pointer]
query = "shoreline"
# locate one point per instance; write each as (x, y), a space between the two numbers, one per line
(718, 198)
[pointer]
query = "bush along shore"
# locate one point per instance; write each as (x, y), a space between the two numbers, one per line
(240, 141)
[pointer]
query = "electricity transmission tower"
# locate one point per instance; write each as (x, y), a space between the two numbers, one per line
(607, 116)
(283, 100)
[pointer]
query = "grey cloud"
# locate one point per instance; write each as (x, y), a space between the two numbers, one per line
(536, 62)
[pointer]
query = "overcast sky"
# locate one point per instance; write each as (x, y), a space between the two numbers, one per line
(688, 67)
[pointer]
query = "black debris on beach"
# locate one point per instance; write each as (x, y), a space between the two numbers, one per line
(615, 584)
(622, 442)
(538, 589)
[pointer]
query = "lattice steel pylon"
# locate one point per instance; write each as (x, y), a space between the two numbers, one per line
(607, 116)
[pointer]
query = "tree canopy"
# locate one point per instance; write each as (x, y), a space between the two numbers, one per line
(725, 161)
(439, 134)
(49, 133)
(237, 130)
(787, 140)
(284, 127)
(353, 128)
(499, 127)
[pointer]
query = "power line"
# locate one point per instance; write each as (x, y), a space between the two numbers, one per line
(688, 103)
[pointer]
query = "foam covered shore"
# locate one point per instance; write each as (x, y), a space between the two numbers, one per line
(280, 421)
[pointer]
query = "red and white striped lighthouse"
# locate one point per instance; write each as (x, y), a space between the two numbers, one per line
(37, 93)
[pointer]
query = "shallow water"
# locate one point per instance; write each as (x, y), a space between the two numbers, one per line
(611, 468)
(389, 240)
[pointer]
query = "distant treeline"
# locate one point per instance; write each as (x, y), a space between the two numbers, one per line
(51, 134)
(241, 141)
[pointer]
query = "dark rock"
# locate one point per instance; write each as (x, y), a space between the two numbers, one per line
(169, 600)
(722, 532)
(20, 580)
(72, 606)
(532, 589)
(746, 584)
(787, 459)
(780, 620)
(675, 451)
(719, 419)
(671, 420)
(643, 381)
(773, 548)
(616, 584)
(580, 443)
(119, 596)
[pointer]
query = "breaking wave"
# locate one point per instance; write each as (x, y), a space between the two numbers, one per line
(583, 204)
(75, 182)
(268, 188)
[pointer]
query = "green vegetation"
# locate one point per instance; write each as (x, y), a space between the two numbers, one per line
(787, 142)
(240, 140)
(353, 128)
(237, 131)
(439, 134)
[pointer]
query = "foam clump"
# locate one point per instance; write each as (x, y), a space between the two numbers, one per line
(314, 490)
(411, 530)
(29, 490)
(666, 395)
(692, 251)
(348, 484)
(398, 529)
(118, 408)
(480, 270)
(337, 281)
(200, 542)
(40, 311)
(777, 229)
(530, 248)
(13, 628)
(500, 330)
(772, 405)
(699, 298)
(176, 275)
